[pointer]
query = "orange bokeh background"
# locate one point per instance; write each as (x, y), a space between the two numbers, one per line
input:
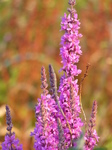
(30, 38)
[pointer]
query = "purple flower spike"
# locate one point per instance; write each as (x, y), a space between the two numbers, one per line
(46, 129)
(91, 137)
(10, 142)
(70, 52)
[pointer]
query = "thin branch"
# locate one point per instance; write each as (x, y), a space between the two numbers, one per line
(80, 91)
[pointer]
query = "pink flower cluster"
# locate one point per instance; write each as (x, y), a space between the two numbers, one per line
(45, 132)
(70, 52)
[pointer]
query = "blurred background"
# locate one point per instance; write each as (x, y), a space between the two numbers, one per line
(30, 38)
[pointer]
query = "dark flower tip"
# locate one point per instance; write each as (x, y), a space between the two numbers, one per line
(52, 77)
(44, 84)
(51, 74)
(53, 81)
(93, 114)
(8, 119)
(72, 2)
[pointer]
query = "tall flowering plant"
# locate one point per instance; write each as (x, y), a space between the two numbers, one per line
(66, 105)
(70, 52)
(58, 124)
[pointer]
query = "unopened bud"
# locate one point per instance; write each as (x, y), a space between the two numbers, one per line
(72, 2)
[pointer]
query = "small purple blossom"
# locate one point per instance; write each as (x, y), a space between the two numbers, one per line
(10, 142)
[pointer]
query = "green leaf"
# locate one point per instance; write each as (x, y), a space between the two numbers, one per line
(100, 148)
(80, 143)
(72, 149)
